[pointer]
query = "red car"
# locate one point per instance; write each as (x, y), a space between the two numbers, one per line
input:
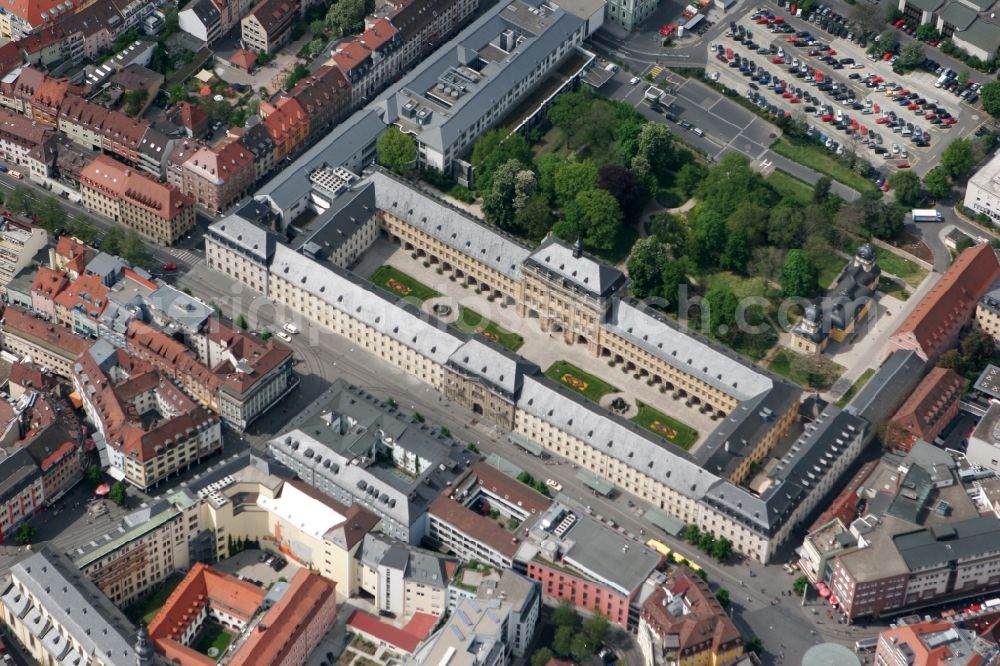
(830, 52)
(900, 23)
(934, 42)
(887, 56)
(949, 121)
(913, 107)
(795, 100)
(930, 116)
(881, 121)
(761, 20)
(827, 117)
(778, 60)
(170, 266)
(885, 185)
(778, 19)
(904, 91)
(903, 165)
(786, 95)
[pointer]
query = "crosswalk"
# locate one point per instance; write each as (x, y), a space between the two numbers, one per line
(656, 70)
(185, 256)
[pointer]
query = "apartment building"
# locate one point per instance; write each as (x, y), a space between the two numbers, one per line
(257, 140)
(348, 227)
(982, 192)
(683, 623)
(477, 634)
(267, 27)
(20, 243)
(927, 643)
(61, 617)
(933, 326)
(403, 579)
(988, 312)
(218, 177)
(49, 345)
(371, 60)
(240, 249)
(156, 210)
(287, 124)
(325, 96)
(80, 305)
(21, 492)
(18, 135)
(146, 426)
(145, 548)
(424, 24)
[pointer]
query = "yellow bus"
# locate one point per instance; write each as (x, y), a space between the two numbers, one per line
(659, 547)
(678, 558)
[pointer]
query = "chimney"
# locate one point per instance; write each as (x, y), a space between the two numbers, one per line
(578, 248)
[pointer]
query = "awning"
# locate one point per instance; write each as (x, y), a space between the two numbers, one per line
(695, 20)
(665, 522)
(502, 464)
(526, 443)
(595, 483)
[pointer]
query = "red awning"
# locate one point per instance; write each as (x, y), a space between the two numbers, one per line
(102, 490)
(825, 592)
(834, 600)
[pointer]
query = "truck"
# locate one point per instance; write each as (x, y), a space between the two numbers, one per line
(925, 215)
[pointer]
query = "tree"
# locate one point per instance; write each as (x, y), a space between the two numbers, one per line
(723, 549)
(118, 493)
(888, 40)
(990, 95)
(572, 177)
(957, 159)
(562, 642)
(495, 148)
(565, 615)
(21, 200)
(689, 177)
(595, 217)
(927, 32)
(512, 186)
(135, 100)
(906, 185)
(978, 348)
(799, 276)
(655, 156)
(736, 252)
(26, 534)
(867, 16)
(596, 628)
(646, 264)
(623, 184)
(159, 60)
(49, 214)
(800, 584)
(114, 239)
(937, 184)
(821, 190)
(582, 648)
(722, 303)
(723, 597)
(692, 533)
(880, 219)
(241, 322)
(817, 369)
(952, 359)
(754, 645)
(911, 56)
(706, 542)
(534, 219)
(299, 72)
(177, 94)
(133, 249)
(542, 656)
(92, 476)
(963, 78)
(171, 21)
(669, 229)
(346, 16)
(315, 46)
(786, 226)
(707, 239)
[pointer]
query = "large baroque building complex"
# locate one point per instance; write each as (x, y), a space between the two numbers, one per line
(571, 293)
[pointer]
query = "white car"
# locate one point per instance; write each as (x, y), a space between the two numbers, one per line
(554, 485)
(634, 80)
(291, 328)
(284, 336)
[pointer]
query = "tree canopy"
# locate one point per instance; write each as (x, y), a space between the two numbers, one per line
(397, 151)
(957, 159)
(937, 183)
(799, 275)
(906, 185)
(990, 94)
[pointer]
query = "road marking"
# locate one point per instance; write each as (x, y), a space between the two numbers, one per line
(765, 164)
(656, 70)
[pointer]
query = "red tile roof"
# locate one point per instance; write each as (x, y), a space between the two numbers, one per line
(191, 116)
(10, 57)
(285, 119)
(202, 586)
(219, 164)
(27, 375)
(931, 326)
(285, 623)
(244, 59)
(87, 293)
(49, 282)
(705, 626)
(350, 55)
(37, 41)
(406, 639)
(75, 253)
(118, 181)
(379, 34)
(922, 654)
(18, 322)
(38, 12)
(920, 417)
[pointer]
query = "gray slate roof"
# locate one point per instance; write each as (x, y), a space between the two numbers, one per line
(253, 239)
(938, 544)
(344, 146)
(449, 225)
(334, 227)
(74, 603)
(498, 76)
(981, 33)
(888, 388)
(686, 352)
(958, 15)
(364, 302)
(417, 564)
(493, 365)
(586, 273)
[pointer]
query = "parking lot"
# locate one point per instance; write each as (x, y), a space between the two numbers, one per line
(850, 101)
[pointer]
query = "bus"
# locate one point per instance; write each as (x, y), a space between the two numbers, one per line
(866, 644)
(678, 558)
(659, 547)
(925, 215)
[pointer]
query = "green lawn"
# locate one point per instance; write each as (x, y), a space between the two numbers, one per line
(470, 321)
(581, 381)
(666, 427)
(820, 159)
(902, 268)
(212, 636)
(743, 287)
(782, 363)
(893, 288)
(855, 387)
(145, 609)
(790, 187)
(400, 284)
